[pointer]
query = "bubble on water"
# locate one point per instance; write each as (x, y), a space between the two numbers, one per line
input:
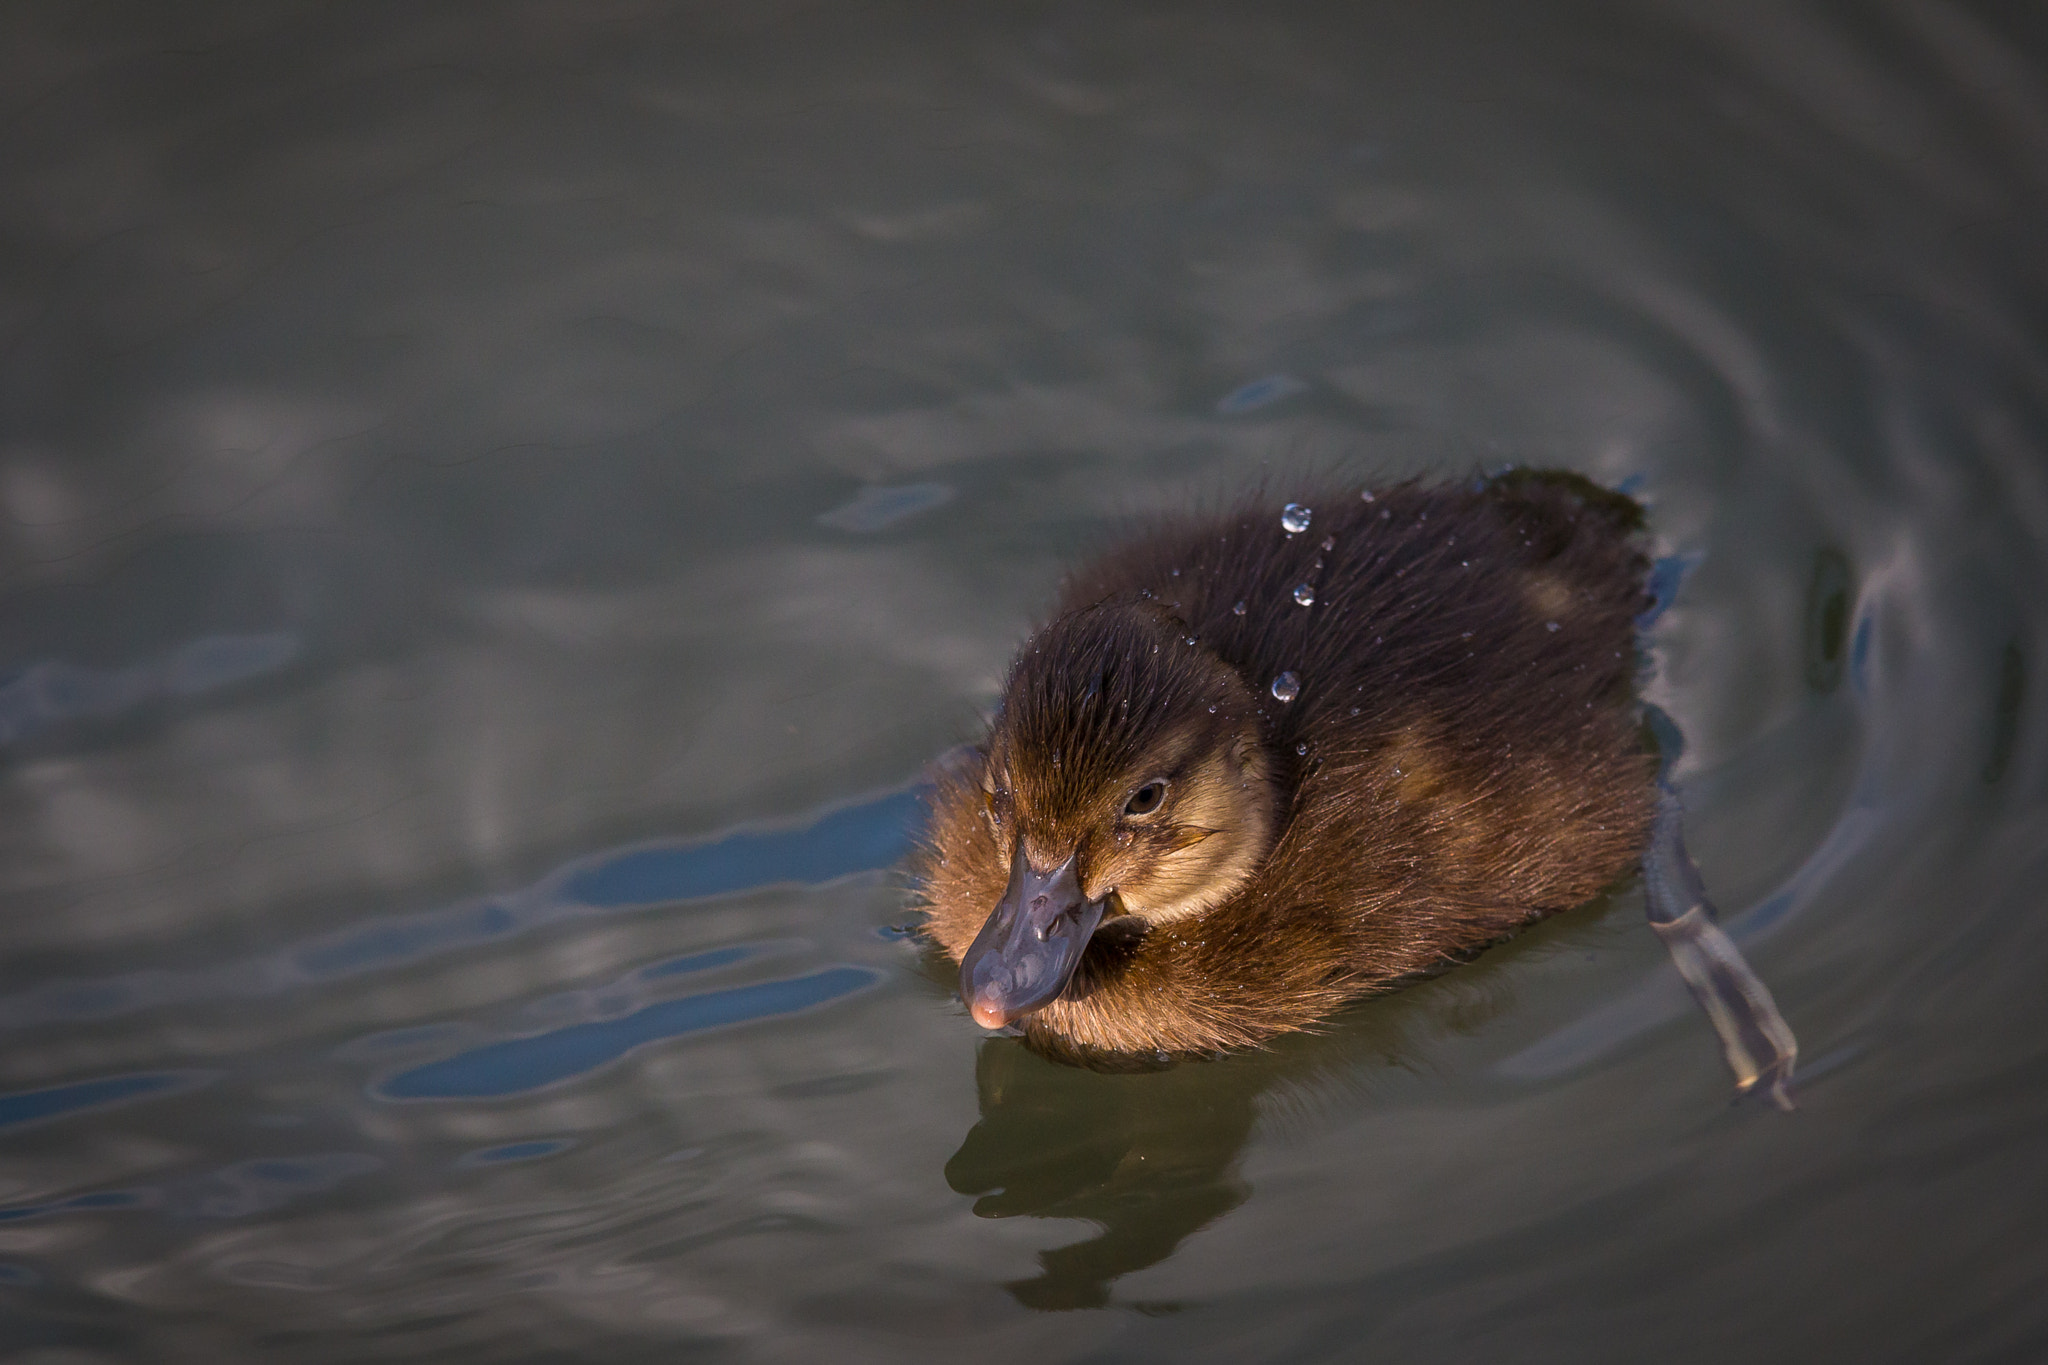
(1294, 518)
(1237, 610)
(1304, 595)
(1286, 687)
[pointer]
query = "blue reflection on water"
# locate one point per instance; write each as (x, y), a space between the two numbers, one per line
(518, 1065)
(872, 509)
(51, 692)
(233, 1191)
(267, 1183)
(855, 839)
(103, 1092)
(867, 837)
(79, 1203)
(1667, 576)
(404, 940)
(1258, 394)
(532, 1150)
(699, 962)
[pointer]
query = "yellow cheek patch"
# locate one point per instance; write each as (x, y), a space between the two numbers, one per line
(1222, 826)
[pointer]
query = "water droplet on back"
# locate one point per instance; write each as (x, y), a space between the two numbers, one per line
(1301, 749)
(1304, 595)
(1329, 544)
(1550, 625)
(1286, 687)
(1294, 518)
(1237, 610)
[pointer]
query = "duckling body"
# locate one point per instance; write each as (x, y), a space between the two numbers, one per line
(1245, 774)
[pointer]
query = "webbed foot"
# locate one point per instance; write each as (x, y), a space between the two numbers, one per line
(1755, 1038)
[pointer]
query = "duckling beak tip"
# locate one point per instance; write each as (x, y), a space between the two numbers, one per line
(1030, 945)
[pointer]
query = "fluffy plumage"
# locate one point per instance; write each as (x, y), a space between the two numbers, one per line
(1463, 755)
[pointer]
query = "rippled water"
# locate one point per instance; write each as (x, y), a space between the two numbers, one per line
(501, 504)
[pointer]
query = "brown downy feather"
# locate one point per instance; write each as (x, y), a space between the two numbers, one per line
(1463, 756)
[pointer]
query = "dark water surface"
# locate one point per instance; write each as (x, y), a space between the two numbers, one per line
(498, 505)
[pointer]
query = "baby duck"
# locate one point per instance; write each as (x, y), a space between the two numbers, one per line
(1258, 765)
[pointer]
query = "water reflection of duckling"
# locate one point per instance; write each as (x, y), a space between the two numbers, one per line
(1259, 765)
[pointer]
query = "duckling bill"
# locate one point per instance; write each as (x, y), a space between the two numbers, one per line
(1258, 765)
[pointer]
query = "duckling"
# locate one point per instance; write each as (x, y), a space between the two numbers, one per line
(1258, 765)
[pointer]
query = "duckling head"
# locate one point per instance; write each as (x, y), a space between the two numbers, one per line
(1126, 775)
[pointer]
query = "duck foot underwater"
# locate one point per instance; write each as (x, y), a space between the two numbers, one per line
(1260, 764)
(1755, 1039)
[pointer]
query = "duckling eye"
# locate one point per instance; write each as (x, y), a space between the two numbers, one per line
(1146, 799)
